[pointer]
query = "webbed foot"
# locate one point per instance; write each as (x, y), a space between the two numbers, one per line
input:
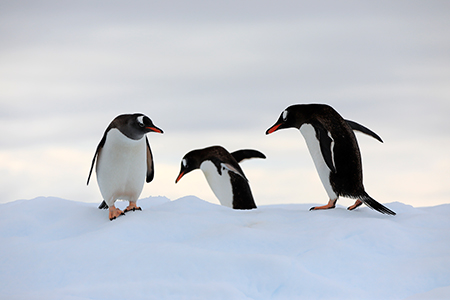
(114, 212)
(331, 204)
(357, 204)
(132, 207)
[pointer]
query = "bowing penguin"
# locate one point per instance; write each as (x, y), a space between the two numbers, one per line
(223, 174)
(334, 150)
(124, 161)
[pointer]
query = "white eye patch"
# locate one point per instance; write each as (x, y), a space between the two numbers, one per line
(184, 162)
(140, 120)
(285, 113)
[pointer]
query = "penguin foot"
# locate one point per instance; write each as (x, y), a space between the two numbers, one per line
(132, 207)
(357, 204)
(114, 212)
(331, 204)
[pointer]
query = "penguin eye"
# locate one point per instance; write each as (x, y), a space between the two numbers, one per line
(184, 162)
(140, 121)
(285, 113)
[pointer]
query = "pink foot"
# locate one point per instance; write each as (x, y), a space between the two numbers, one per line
(132, 207)
(331, 204)
(357, 204)
(114, 212)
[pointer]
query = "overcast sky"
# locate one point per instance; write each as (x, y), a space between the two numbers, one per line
(210, 72)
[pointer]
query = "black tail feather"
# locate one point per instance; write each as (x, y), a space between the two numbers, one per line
(374, 204)
(103, 205)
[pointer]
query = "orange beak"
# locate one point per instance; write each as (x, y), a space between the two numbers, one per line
(155, 129)
(273, 129)
(179, 177)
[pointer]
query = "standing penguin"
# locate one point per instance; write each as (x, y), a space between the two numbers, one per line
(334, 150)
(223, 173)
(124, 161)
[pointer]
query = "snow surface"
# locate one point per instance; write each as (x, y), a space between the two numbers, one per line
(51, 248)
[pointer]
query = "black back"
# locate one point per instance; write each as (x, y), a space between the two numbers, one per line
(242, 194)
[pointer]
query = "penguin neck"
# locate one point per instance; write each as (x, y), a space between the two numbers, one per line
(115, 136)
(309, 133)
(130, 133)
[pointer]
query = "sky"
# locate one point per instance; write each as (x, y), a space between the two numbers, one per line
(220, 73)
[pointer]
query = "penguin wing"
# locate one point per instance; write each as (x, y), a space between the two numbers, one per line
(97, 151)
(355, 126)
(241, 155)
(150, 166)
(226, 166)
(326, 144)
(92, 166)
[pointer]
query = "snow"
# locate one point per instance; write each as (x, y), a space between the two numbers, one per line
(51, 248)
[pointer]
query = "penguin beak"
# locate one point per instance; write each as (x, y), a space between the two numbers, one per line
(155, 129)
(273, 128)
(179, 176)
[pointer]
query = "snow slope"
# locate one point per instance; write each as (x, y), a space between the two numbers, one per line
(52, 248)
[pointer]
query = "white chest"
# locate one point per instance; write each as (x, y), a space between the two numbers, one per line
(220, 184)
(309, 133)
(121, 167)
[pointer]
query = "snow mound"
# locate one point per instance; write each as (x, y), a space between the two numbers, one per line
(51, 248)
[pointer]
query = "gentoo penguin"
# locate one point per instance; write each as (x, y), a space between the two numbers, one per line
(223, 173)
(334, 149)
(124, 161)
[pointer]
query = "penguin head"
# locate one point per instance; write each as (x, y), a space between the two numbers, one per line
(189, 163)
(135, 126)
(290, 117)
(145, 124)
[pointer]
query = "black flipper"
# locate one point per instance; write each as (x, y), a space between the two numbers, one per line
(100, 145)
(363, 129)
(374, 204)
(92, 166)
(325, 147)
(230, 168)
(103, 205)
(221, 166)
(240, 155)
(217, 163)
(150, 165)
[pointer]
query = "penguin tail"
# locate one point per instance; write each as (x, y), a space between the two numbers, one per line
(103, 205)
(374, 204)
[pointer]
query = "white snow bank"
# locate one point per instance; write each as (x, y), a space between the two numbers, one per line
(52, 248)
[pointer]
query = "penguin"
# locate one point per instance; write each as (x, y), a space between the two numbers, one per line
(124, 161)
(334, 150)
(223, 174)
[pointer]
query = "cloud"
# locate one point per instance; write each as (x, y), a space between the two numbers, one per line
(221, 73)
